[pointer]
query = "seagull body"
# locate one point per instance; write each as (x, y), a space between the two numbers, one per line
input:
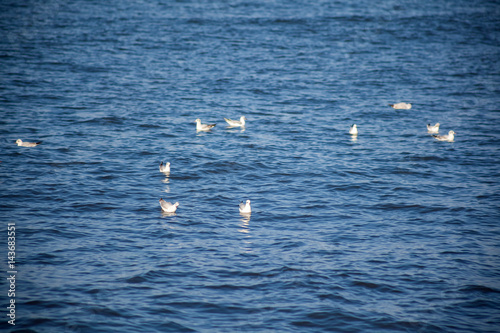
(353, 130)
(165, 167)
(236, 123)
(27, 144)
(401, 106)
(433, 129)
(245, 207)
(203, 127)
(447, 137)
(168, 207)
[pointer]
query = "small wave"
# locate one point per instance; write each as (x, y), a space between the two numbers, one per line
(47, 304)
(93, 291)
(231, 287)
(47, 259)
(424, 158)
(479, 289)
(404, 206)
(335, 298)
(136, 279)
(113, 120)
(343, 187)
(333, 318)
(154, 126)
(479, 304)
(66, 164)
(172, 326)
(376, 286)
(104, 311)
(96, 206)
(36, 322)
(222, 167)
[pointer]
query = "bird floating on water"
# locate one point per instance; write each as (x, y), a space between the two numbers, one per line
(353, 130)
(27, 144)
(168, 207)
(236, 123)
(447, 137)
(401, 106)
(245, 207)
(165, 168)
(203, 127)
(433, 129)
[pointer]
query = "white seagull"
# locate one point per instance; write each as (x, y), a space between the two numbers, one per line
(245, 207)
(353, 130)
(236, 123)
(168, 207)
(401, 106)
(447, 137)
(165, 168)
(433, 129)
(203, 127)
(27, 144)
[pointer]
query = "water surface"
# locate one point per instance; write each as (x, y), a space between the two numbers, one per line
(389, 231)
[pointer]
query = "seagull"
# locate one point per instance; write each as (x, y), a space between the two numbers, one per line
(353, 130)
(203, 127)
(168, 207)
(165, 167)
(447, 137)
(433, 129)
(27, 144)
(245, 208)
(401, 106)
(236, 123)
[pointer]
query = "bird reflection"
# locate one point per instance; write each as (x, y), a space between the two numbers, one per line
(235, 129)
(166, 214)
(245, 223)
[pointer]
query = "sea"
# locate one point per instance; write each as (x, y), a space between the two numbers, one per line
(389, 230)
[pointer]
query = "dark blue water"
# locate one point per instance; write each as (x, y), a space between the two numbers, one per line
(389, 231)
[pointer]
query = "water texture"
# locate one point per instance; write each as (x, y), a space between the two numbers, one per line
(387, 231)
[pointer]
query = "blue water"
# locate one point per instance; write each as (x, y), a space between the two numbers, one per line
(391, 231)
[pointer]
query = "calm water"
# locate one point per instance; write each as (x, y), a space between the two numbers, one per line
(389, 231)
